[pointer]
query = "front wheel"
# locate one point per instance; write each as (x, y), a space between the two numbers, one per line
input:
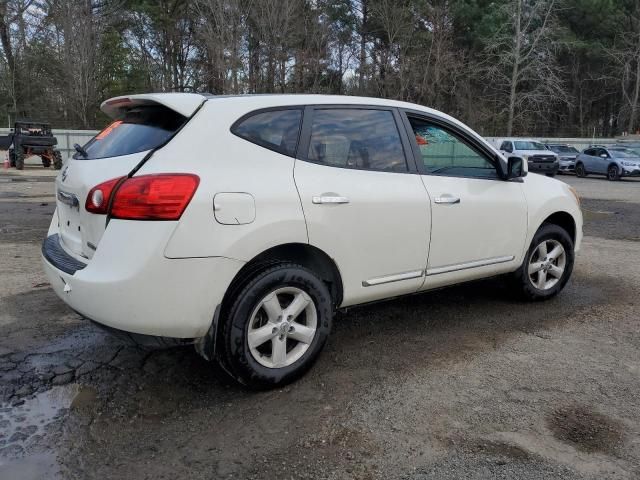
(580, 171)
(57, 159)
(613, 173)
(19, 154)
(547, 266)
(276, 327)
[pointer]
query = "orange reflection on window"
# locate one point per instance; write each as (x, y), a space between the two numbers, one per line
(109, 129)
(421, 140)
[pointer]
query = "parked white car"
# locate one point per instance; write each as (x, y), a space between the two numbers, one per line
(538, 157)
(241, 223)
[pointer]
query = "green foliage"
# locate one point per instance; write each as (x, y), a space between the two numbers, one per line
(435, 52)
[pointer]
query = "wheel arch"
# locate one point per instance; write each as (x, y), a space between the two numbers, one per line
(564, 220)
(303, 254)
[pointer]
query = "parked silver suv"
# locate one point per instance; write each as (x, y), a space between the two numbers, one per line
(614, 162)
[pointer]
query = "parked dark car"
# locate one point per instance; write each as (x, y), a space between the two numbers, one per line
(566, 156)
(613, 161)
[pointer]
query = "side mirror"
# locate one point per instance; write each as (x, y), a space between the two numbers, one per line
(516, 168)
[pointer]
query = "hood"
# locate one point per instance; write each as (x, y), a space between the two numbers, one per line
(538, 152)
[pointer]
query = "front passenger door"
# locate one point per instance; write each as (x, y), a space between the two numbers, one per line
(600, 163)
(478, 220)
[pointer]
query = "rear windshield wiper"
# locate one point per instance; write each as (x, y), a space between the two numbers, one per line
(81, 150)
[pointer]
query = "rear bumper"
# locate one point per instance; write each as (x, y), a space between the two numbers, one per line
(129, 285)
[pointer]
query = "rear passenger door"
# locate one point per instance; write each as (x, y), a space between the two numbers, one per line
(363, 201)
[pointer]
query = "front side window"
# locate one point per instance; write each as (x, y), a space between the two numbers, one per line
(356, 138)
(274, 129)
(444, 153)
(506, 146)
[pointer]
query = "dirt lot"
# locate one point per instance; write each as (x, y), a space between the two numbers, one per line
(459, 383)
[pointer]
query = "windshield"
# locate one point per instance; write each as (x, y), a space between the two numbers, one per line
(525, 145)
(562, 149)
(141, 129)
(622, 153)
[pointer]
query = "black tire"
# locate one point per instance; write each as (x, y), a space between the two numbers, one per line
(57, 159)
(234, 353)
(19, 159)
(12, 157)
(613, 173)
(46, 163)
(521, 280)
(551, 175)
(580, 170)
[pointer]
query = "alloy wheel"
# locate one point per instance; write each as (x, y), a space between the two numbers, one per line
(547, 264)
(282, 327)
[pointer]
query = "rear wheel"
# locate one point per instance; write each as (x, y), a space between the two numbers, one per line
(276, 327)
(580, 171)
(46, 163)
(57, 159)
(613, 173)
(547, 266)
(19, 153)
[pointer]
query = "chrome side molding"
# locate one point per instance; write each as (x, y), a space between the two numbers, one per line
(393, 278)
(467, 265)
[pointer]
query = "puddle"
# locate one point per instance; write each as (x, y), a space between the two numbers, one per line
(21, 423)
(35, 467)
(586, 430)
(22, 427)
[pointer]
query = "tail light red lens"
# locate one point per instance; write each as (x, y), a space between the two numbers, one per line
(98, 198)
(147, 197)
(154, 197)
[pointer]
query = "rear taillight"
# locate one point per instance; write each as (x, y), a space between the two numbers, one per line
(147, 197)
(98, 198)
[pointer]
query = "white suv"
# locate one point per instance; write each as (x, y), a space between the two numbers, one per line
(241, 223)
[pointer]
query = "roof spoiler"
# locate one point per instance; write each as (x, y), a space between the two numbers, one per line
(183, 103)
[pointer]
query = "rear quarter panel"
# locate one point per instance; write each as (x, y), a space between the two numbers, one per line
(227, 163)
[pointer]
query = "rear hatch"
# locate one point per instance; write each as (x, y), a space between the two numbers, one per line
(140, 125)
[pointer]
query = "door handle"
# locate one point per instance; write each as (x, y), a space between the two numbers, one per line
(447, 200)
(329, 199)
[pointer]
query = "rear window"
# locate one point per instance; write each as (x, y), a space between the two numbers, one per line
(141, 129)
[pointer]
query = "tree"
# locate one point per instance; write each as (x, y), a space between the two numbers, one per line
(520, 61)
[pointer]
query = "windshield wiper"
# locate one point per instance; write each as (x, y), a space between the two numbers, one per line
(81, 150)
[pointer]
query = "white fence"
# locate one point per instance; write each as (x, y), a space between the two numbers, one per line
(66, 139)
(578, 143)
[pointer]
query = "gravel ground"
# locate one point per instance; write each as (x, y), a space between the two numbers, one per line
(460, 383)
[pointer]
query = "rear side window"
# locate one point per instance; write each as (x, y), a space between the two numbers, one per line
(142, 128)
(276, 130)
(356, 138)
